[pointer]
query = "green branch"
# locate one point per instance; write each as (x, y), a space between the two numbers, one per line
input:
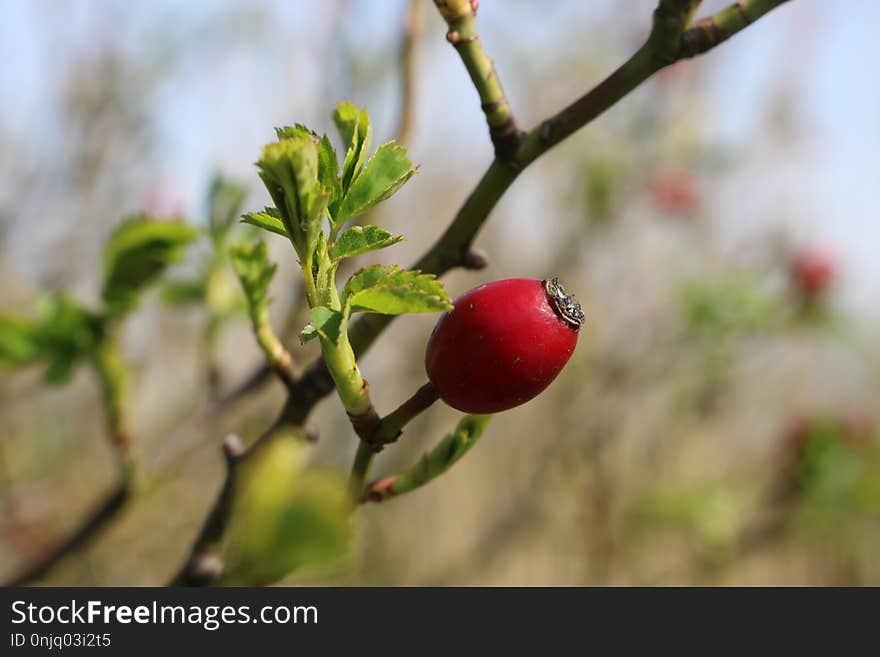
(710, 31)
(670, 41)
(461, 17)
(276, 353)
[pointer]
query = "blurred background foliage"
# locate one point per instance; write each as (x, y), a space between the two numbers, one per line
(717, 423)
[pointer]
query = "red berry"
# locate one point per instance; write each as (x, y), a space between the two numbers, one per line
(502, 344)
(812, 271)
(674, 192)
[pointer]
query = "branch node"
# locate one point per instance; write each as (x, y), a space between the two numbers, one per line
(233, 448)
(474, 260)
(365, 425)
(205, 568)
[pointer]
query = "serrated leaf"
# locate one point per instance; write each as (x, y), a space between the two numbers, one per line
(136, 254)
(328, 174)
(283, 515)
(354, 128)
(19, 341)
(362, 239)
(183, 292)
(390, 290)
(225, 198)
(326, 322)
(289, 169)
(252, 266)
(269, 220)
(296, 130)
(383, 175)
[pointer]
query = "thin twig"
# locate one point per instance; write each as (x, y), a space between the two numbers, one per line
(88, 529)
(461, 17)
(112, 377)
(412, 32)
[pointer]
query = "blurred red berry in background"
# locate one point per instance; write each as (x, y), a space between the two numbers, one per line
(674, 192)
(812, 272)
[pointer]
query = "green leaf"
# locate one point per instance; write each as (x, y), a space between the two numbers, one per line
(727, 305)
(19, 341)
(68, 333)
(136, 254)
(354, 128)
(440, 459)
(252, 266)
(384, 174)
(390, 290)
(361, 239)
(269, 220)
(326, 322)
(283, 515)
(289, 169)
(225, 198)
(328, 174)
(292, 132)
(184, 292)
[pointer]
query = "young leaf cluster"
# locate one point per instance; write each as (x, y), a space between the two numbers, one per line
(313, 191)
(64, 332)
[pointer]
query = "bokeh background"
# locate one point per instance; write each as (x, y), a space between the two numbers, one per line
(716, 424)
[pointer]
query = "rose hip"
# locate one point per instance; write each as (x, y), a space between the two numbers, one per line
(502, 344)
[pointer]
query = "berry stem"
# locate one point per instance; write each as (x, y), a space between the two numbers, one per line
(391, 426)
(387, 431)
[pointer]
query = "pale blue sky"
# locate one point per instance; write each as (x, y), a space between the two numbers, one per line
(217, 111)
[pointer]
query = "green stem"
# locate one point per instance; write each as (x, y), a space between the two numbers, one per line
(710, 31)
(387, 431)
(363, 458)
(309, 278)
(461, 17)
(113, 378)
(277, 356)
(670, 41)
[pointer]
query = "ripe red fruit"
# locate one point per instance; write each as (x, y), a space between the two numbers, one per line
(812, 271)
(502, 344)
